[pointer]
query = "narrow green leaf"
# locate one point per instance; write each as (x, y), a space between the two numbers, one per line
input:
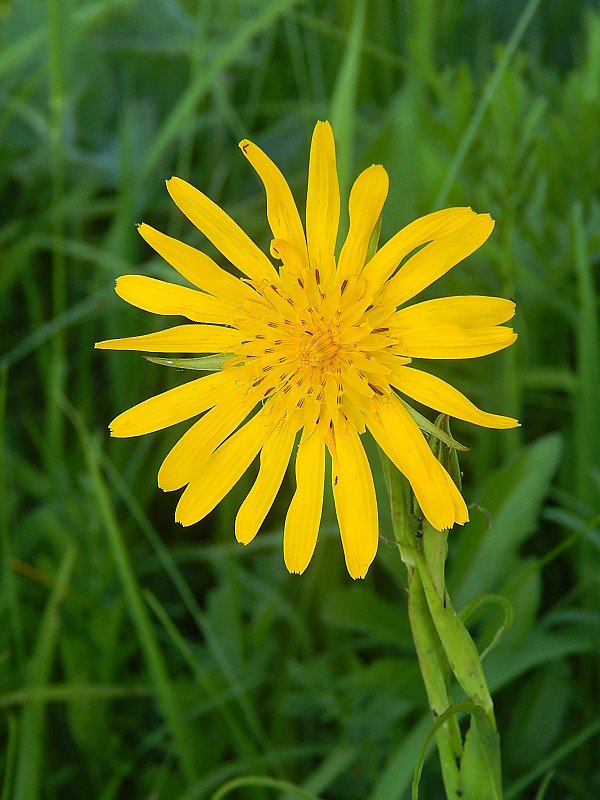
(586, 417)
(343, 102)
(33, 724)
(203, 363)
(228, 53)
(433, 430)
(480, 776)
(485, 599)
(488, 93)
(155, 663)
(261, 780)
(482, 559)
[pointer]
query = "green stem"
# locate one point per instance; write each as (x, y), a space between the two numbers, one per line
(442, 642)
(432, 661)
(434, 670)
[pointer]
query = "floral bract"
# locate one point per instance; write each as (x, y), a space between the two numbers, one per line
(318, 350)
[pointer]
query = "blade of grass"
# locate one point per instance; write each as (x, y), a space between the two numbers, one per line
(484, 101)
(261, 780)
(57, 47)
(32, 733)
(587, 421)
(229, 52)
(26, 46)
(155, 663)
(199, 672)
(170, 567)
(82, 311)
(372, 49)
(343, 101)
(9, 584)
(60, 693)
(552, 759)
(10, 758)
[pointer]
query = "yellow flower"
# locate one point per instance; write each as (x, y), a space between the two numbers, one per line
(318, 346)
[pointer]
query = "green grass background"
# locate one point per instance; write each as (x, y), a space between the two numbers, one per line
(139, 659)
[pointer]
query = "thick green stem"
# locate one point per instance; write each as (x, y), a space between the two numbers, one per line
(435, 672)
(470, 769)
(432, 661)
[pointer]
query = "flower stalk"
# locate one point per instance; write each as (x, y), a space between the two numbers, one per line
(470, 766)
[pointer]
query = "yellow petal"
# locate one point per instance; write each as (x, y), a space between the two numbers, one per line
(435, 259)
(404, 444)
(197, 445)
(173, 406)
(417, 233)
(437, 394)
(322, 202)
(355, 501)
(468, 311)
(282, 212)
(452, 341)
(285, 252)
(274, 460)
(222, 231)
(196, 267)
(160, 297)
(222, 471)
(461, 512)
(182, 339)
(304, 514)
(366, 203)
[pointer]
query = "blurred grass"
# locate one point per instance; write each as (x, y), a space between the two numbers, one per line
(141, 659)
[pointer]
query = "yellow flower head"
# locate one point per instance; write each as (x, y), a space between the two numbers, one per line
(318, 345)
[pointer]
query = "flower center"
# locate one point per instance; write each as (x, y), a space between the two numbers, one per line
(317, 349)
